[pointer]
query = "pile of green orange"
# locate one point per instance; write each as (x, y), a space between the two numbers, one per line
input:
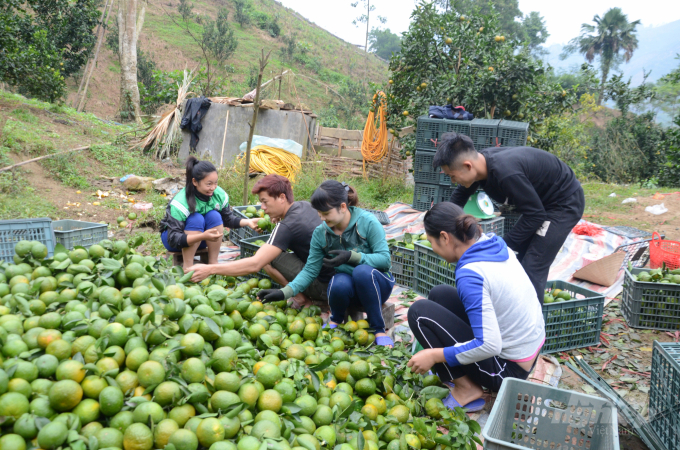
(103, 348)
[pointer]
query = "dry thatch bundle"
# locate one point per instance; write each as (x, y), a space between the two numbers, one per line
(160, 137)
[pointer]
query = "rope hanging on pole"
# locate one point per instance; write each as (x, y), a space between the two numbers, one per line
(374, 145)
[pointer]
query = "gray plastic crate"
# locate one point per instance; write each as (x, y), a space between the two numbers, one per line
(423, 172)
(495, 226)
(574, 323)
(13, 231)
(664, 393)
(429, 131)
(248, 249)
(513, 134)
(431, 270)
(74, 233)
(528, 415)
(650, 304)
(403, 265)
(484, 132)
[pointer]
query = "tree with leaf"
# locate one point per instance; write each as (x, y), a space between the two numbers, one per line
(242, 9)
(449, 58)
(43, 42)
(384, 43)
(366, 17)
(611, 38)
(216, 40)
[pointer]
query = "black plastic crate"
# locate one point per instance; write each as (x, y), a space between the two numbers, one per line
(483, 133)
(431, 270)
(495, 226)
(380, 215)
(423, 172)
(445, 193)
(511, 219)
(629, 232)
(429, 131)
(650, 305)
(575, 323)
(424, 196)
(512, 134)
(248, 249)
(238, 234)
(664, 393)
(403, 266)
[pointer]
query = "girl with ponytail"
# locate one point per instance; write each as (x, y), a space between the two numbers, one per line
(196, 216)
(487, 328)
(351, 242)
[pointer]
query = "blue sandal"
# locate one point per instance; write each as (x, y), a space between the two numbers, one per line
(384, 340)
(473, 406)
(329, 326)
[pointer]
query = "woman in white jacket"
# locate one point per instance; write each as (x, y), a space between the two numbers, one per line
(487, 328)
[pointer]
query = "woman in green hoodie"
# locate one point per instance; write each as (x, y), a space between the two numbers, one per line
(351, 241)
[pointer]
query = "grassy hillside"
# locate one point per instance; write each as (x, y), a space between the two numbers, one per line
(332, 60)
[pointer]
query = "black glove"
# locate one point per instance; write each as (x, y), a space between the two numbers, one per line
(342, 258)
(271, 295)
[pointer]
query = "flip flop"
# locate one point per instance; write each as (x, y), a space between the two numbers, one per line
(473, 406)
(384, 340)
(449, 384)
(329, 326)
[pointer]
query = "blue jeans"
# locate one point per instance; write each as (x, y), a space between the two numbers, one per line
(196, 222)
(367, 287)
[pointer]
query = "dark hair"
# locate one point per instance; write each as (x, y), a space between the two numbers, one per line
(275, 185)
(451, 147)
(332, 194)
(451, 218)
(196, 170)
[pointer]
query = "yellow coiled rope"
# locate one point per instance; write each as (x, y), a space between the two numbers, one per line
(374, 144)
(264, 158)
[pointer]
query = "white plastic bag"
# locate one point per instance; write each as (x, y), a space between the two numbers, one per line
(629, 200)
(285, 144)
(656, 209)
(613, 194)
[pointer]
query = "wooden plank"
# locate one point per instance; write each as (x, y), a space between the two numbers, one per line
(405, 131)
(347, 153)
(355, 135)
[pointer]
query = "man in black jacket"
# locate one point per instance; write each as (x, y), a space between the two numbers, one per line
(538, 184)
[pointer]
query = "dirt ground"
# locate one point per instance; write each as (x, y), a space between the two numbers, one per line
(636, 216)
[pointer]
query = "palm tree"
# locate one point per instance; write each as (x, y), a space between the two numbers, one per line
(611, 34)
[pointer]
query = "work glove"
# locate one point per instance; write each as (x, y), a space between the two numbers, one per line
(343, 257)
(271, 295)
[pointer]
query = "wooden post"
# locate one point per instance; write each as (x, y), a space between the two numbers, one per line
(339, 146)
(256, 108)
(280, 80)
(224, 138)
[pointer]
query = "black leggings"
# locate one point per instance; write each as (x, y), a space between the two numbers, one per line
(441, 321)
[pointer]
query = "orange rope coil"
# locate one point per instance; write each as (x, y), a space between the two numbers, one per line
(374, 144)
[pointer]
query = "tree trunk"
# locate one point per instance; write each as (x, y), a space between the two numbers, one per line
(130, 22)
(605, 73)
(93, 64)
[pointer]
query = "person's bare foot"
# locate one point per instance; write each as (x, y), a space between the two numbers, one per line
(465, 391)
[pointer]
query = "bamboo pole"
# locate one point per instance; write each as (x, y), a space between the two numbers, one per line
(224, 138)
(43, 157)
(256, 108)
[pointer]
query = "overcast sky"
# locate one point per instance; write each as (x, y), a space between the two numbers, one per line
(563, 19)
